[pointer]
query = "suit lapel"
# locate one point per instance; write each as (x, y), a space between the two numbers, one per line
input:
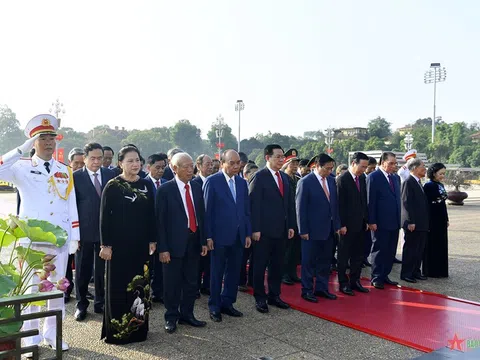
(89, 181)
(272, 180)
(226, 187)
(179, 198)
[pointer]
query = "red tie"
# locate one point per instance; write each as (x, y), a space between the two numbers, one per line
(280, 183)
(191, 211)
(357, 183)
(157, 183)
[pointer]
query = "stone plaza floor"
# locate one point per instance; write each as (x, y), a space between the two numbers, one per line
(280, 334)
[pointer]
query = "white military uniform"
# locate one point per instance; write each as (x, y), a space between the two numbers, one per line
(50, 197)
(403, 171)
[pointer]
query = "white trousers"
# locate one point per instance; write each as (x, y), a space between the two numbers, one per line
(60, 261)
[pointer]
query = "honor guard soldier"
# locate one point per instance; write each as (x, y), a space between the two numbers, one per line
(47, 192)
(403, 172)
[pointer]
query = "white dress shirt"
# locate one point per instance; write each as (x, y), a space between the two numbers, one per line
(273, 172)
(92, 177)
(319, 178)
(183, 191)
(155, 181)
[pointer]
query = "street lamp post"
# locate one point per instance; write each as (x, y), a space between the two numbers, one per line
(239, 106)
(58, 110)
(434, 75)
(329, 134)
(219, 126)
(408, 141)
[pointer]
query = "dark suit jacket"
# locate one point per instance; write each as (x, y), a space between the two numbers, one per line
(162, 181)
(198, 180)
(172, 221)
(224, 217)
(415, 206)
(315, 214)
(271, 213)
(352, 204)
(88, 203)
(168, 174)
(383, 203)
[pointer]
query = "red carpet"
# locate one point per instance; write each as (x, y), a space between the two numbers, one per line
(422, 320)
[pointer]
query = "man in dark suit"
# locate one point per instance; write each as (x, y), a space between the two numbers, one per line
(180, 222)
(415, 221)
(156, 164)
(89, 184)
(318, 220)
(383, 192)
(204, 169)
(169, 173)
(273, 221)
(371, 167)
(243, 162)
(353, 210)
(227, 224)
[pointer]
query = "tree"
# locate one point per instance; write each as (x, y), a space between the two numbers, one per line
(150, 141)
(71, 139)
(251, 144)
(314, 135)
(187, 137)
(379, 127)
(374, 143)
(311, 149)
(228, 139)
(397, 142)
(11, 135)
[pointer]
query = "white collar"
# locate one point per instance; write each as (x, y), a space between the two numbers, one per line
(351, 173)
(320, 177)
(153, 179)
(90, 172)
(202, 177)
(273, 172)
(41, 161)
(384, 172)
(181, 184)
(228, 177)
(416, 178)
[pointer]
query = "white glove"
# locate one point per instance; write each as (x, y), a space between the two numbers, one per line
(27, 145)
(73, 246)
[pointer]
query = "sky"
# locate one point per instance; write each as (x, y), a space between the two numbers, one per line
(297, 65)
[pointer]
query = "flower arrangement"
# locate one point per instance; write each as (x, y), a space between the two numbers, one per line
(25, 263)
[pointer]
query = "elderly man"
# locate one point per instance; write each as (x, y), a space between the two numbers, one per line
(75, 159)
(403, 172)
(44, 197)
(415, 221)
(180, 222)
(205, 167)
(227, 224)
(169, 173)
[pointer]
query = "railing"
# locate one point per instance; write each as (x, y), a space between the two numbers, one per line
(17, 301)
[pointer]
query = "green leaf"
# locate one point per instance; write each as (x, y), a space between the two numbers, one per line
(18, 233)
(6, 285)
(7, 313)
(38, 303)
(3, 224)
(6, 238)
(42, 231)
(32, 257)
(9, 269)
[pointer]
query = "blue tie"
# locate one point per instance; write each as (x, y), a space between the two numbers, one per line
(231, 185)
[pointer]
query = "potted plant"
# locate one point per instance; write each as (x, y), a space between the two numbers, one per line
(457, 179)
(18, 264)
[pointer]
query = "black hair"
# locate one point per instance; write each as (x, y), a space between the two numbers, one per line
(243, 157)
(250, 162)
(142, 160)
(125, 150)
(433, 169)
(322, 159)
(358, 156)
(269, 149)
(92, 146)
(152, 159)
(108, 148)
(249, 168)
(162, 155)
(303, 162)
(372, 160)
(386, 155)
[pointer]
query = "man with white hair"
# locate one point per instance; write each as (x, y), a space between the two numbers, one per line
(181, 241)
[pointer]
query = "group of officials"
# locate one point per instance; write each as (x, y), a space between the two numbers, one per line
(206, 224)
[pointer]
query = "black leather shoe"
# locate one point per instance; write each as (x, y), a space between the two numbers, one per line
(98, 309)
(215, 316)
(261, 306)
(276, 301)
(358, 287)
(310, 297)
(408, 279)
(421, 277)
(346, 290)
(192, 322)
(325, 294)
(367, 263)
(296, 279)
(231, 311)
(287, 281)
(390, 282)
(205, 291)
(80, 315)
(90, 296)
(396, 261)
(170, 326)
(378, 285)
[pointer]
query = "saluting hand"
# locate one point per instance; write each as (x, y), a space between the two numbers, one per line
(164, 257)
(204, 251)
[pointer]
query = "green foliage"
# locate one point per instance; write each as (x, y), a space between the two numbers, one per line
(229, 140)
(187, 137)
(42, 231)
(7, 313)
(10, 133)
(379, 127)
